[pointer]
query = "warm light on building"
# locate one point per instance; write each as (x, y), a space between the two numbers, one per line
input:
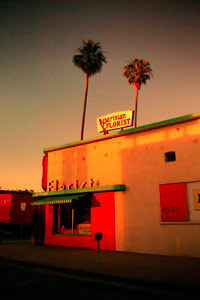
(140, 187)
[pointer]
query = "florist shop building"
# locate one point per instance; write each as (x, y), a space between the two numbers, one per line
(139, 187)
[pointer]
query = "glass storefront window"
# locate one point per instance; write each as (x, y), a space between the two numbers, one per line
(69, 219)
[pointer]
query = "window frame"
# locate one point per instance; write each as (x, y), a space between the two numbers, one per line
(57, 218)
(168, 156)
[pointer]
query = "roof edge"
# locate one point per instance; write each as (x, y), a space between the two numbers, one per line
(111, 135)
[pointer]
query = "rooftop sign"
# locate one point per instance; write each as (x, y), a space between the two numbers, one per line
(115, 120)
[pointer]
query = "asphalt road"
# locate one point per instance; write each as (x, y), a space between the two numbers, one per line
(24, 281)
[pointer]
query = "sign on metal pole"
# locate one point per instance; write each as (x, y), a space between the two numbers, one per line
(23, 208)
(120, 119)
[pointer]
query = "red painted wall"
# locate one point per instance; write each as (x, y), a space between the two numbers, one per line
(5, 207)
(10, 209)
(102, 220)
(173, 202)
(17, 216)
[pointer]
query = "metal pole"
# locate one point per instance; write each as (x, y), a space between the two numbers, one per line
(21, 224)
(98, 252)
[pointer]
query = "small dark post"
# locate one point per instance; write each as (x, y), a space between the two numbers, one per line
(21, 224)
(98, 237)
(23, 208)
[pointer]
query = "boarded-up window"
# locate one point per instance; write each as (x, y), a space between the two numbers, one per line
(173, 202)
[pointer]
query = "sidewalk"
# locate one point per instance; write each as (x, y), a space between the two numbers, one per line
(174, 271)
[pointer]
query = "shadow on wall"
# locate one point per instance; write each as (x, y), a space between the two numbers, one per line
(74, 167)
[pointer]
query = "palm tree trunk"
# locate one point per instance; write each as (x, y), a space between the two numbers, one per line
(136, 104)
(84, 107)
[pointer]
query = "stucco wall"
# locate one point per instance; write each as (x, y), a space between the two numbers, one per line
(137, 160)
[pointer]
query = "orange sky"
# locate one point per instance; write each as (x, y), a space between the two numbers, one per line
(42, 92)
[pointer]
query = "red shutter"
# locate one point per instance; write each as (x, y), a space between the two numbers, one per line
(44, 173)
(173, 202)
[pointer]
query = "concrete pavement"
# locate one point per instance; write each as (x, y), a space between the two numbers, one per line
(182, 272)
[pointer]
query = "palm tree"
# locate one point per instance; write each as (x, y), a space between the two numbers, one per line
(90, 60)
(137, 72)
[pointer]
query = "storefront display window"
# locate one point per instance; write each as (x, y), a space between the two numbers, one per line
(71, 219)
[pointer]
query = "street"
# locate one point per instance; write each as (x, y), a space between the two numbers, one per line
(26, 280)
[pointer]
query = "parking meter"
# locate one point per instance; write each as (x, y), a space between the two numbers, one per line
(98, 237)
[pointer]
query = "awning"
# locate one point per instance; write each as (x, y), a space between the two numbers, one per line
(59, 199)
(72, 195)
(87, 190)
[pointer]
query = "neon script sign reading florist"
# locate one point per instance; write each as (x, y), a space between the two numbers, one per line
(57, 186)
(115, 120)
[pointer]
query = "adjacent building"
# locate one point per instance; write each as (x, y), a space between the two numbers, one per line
(16, 210)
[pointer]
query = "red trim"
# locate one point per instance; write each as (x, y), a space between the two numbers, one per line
(44, 172)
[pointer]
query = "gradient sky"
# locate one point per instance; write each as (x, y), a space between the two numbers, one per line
(41, 91)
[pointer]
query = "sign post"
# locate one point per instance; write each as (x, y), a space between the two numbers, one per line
(23, 208)
(98, 237)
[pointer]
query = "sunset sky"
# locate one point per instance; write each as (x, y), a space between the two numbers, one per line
(41, 91)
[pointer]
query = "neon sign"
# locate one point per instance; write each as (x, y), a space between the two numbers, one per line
(115, 120)
(55, 185)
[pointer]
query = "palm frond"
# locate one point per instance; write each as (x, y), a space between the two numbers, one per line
(137, 71)
(90, 58)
